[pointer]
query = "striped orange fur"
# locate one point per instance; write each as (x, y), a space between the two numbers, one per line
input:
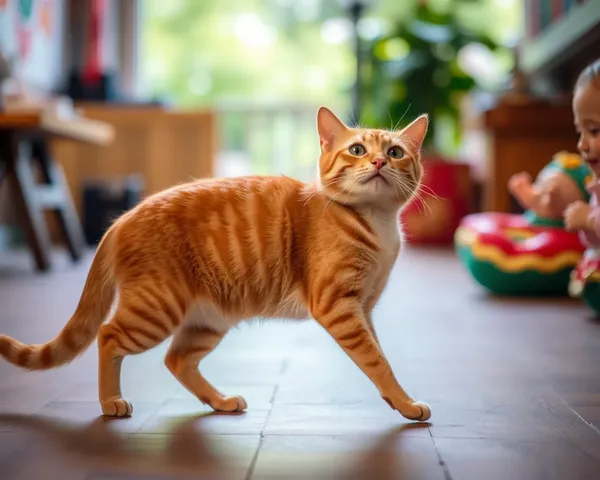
(195, 260)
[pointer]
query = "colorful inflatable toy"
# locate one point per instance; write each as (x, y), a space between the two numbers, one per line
(507, 255)
(529, 253)
(585, 282)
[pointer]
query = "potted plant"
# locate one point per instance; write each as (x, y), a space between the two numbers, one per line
(414, 69)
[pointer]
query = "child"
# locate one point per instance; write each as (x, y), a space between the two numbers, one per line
(559, 184)
(580, 215)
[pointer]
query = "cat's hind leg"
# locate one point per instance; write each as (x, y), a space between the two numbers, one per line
(141, 322)
(190, 345)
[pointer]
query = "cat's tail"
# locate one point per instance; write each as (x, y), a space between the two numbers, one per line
(80, 331)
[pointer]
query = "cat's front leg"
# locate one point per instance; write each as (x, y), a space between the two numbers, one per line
(369, 320)
(348, 325)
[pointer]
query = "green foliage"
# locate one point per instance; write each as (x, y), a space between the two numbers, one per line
(192, 52)
(415, 69)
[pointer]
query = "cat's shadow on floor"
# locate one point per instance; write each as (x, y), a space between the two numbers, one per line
(184, 451)
(99, 448)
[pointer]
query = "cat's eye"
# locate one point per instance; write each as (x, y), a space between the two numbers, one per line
(395, 152)
(357, 150)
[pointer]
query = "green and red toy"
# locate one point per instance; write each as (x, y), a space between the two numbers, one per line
(529, 253)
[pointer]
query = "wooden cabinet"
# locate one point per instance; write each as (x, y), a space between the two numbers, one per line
(165, 147)
(523, 138)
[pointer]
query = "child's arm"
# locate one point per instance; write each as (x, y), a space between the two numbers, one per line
(549, 201)
(525, 193)
(593, 220)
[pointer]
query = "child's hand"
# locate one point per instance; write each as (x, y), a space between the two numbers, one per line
(519, 184)
(550, 193)
(577, 216)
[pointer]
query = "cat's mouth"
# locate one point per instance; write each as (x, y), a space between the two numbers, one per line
(375, 177)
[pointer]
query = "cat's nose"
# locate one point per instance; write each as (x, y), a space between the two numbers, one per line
(378, 162)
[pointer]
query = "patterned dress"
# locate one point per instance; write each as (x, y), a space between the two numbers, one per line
(589, 266)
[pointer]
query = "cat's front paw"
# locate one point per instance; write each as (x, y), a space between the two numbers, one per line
(418, 411)
(231, 404)
(117, 407)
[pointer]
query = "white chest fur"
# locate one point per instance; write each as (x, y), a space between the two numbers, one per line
(386, 227)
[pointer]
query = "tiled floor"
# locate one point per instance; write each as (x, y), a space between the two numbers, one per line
(514, 388)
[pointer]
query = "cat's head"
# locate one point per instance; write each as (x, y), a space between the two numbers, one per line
(361, 166)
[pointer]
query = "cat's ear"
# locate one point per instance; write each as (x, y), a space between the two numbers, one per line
(328, 126)
(416, 131)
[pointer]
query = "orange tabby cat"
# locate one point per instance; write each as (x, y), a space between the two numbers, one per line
(195, 260)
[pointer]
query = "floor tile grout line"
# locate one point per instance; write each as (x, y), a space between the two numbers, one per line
(272, 399)
(593, 427)
(252, 465)
(262, 435)
(284, 366)
(158, 407)
(441, 461)
(54, 398)
(270, 412)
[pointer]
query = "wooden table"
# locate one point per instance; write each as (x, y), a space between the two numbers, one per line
(24, 148)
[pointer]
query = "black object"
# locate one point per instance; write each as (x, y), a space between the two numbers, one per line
(105, 89)
(106, 200)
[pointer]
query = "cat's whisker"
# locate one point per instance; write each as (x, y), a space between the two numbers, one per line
(406, 191)
(332, 199)
(410, 186)
(359, 177)
(399, 187)
(421, 201)
(353, 186)
(339, 193)
(414, 183)
(429, 192)
(396, 191)
(422, 188)
(322, 189)
(311, 196)
(338, 179)
(402, 117)
(392, 126)
(407, 186)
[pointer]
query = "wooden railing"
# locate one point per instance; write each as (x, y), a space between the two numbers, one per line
(272, 139)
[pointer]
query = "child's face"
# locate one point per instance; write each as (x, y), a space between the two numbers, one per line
(586, 109)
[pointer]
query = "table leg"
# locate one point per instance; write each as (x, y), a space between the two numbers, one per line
(67, 215)
(17, 158)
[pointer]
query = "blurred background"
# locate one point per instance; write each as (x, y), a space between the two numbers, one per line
(103, 102)
(265, 66)
(192, 89)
